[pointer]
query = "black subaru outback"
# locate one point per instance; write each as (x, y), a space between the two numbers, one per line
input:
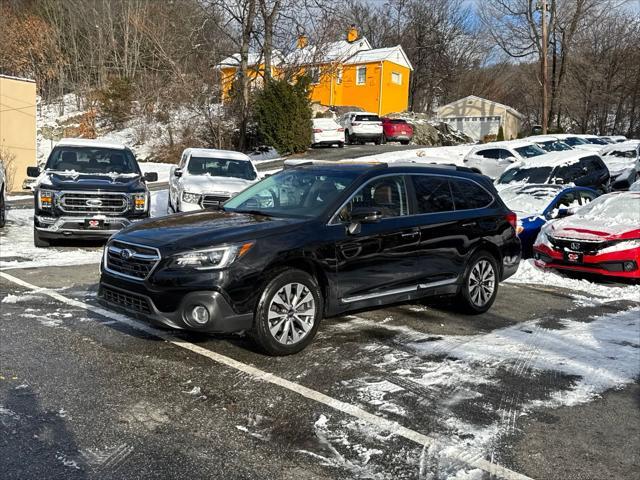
(314, 241)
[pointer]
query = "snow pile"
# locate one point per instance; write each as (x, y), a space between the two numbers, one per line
(445, 155)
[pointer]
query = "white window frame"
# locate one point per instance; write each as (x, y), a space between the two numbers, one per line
(358, 70)
(396, 78)
(339, 76)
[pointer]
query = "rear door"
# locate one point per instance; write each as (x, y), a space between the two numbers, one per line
(380, 261)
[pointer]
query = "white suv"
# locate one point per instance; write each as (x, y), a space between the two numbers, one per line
(361, 127)
(206, 178)
(491, 159)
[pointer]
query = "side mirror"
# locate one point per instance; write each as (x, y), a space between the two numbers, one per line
(362, 215)
(151, 176)
(511, 159)
(177, 172)
(33, 171)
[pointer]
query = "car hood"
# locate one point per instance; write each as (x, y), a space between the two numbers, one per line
(130, 182)
(209, 184)
(189, 231)
(582, 228)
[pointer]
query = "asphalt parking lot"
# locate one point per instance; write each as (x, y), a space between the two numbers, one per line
(545, 385)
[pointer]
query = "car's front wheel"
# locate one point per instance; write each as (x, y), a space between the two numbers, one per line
(288, 314)
(480, 284)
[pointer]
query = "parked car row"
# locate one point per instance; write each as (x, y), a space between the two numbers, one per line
(358, 128)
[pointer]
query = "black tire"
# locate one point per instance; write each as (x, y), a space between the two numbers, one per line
(347, 137)
(38, 241)
(3, 210)
(378, 140)
(270, 303)
(404, 142)
(170, 208)
(473, 297)
(340, 144)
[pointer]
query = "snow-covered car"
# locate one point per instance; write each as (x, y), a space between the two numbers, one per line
(3, 197)
(578, 141)
(601, 238)
(361, 127)
(206, 178)
(577, 167)
(615, 138)
(491, 159)
(623, 162)
(549, 143)
(635, 187)
(327, 131)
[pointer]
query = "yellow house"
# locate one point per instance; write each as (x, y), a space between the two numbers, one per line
(17, 128)
(343, 73)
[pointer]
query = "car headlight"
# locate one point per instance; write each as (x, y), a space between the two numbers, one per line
(140, 201)
(542, 239)
(190, 197)
(45, 199)
(211, 258)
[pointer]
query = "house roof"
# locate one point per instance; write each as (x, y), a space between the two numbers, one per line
(327, 52)
(253, 59)
(511, 110)
(20, 79)
(392, 54)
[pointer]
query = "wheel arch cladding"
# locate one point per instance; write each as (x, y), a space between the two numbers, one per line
(304, 264)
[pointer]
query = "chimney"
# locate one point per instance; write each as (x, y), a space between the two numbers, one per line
(352, 33)
(303, 41)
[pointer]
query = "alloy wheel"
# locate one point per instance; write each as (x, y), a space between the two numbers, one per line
(482, 283)
(291, 313)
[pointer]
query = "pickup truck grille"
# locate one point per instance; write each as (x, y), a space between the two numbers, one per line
(124, 299)
(131, 261)
(88, 202)
(213, 201)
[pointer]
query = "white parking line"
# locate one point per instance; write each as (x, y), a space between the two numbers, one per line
(457, 454)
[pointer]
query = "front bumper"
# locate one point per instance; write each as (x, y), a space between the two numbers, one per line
(608, 265)
(222, 317)
(74, 226)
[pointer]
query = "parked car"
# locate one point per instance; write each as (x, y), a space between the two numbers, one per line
(635, 186)
(361, 127)
(536, 204)
(577, 142)
(314, 241)
(623, 162)
(491, 159)
(88, 189)
(327, 131)
(577, 167)
(206, 178)
(397, 130)
(616, 138)
(549, 143)
(3, 196)
(601, 238)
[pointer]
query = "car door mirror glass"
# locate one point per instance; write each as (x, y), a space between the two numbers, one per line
(33, 171)
(177, 172)
(151, 176)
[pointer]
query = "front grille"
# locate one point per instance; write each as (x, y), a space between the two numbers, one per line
(93, 202)
(131, 261)
(581, 246)
(213, 201)
(126, 300)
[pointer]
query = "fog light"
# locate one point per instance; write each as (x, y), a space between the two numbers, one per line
(629, 266)
(200, 314)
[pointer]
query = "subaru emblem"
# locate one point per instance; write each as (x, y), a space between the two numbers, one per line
(126, 254)
(575, 246)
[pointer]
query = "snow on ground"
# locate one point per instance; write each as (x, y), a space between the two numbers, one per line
(594, 293)
(162, 170)
(268, 155)
(453, 154)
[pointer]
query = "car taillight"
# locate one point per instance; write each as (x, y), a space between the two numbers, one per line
(317, 130)
(512, 218)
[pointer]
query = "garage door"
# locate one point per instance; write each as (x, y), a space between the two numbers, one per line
(477, 127)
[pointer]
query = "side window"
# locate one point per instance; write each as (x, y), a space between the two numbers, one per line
(571, 173)
(489, 153)
(388, 194)
(468, 195)
(433, 194)
(505, 153)
(586, 197)
(568, 200)
(594, 164)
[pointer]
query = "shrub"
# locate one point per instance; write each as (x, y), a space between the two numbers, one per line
(115, 101)
(282, 114)
(500, 136)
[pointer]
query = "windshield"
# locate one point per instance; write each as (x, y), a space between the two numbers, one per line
(292, 193)
(529, 199)
(92, 160)
(530, 151)
(573, 141)
(597, 141)
(526, 175)
(614, 208)
(221, 167)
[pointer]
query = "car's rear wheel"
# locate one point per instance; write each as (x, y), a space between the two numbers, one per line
(405, 142)
(288, 314)
(480, 284)
(38, 241)
(340, 144)
(378, 140)
(3, 210)
(347, 137)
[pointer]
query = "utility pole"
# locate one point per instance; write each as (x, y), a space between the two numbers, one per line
(545, 70)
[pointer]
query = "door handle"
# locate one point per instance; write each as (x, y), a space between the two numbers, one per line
(470, 224)
(410, 235)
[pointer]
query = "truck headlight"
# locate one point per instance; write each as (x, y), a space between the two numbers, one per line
(190, 197)
(211, 258)
(45, 199)
(140, 201)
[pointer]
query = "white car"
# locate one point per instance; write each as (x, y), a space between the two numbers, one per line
(327, 131)
(491, 159)
(623, 162)
(548, 143)
(361, 127)
(206, 178)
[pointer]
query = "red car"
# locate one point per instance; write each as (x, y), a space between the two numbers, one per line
(397, 130)
(602, 237)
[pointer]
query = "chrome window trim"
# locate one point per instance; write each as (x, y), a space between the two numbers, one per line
(124, 275)
(398, 291)
(333, 217)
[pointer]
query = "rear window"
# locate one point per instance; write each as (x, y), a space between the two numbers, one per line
(396, 120)
(468, 195)
(433, 194)
(366, 118)
(526, 175)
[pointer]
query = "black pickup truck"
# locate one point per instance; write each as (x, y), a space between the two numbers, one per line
(88, 190)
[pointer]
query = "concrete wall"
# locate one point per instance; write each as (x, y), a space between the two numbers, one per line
(18, 127)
